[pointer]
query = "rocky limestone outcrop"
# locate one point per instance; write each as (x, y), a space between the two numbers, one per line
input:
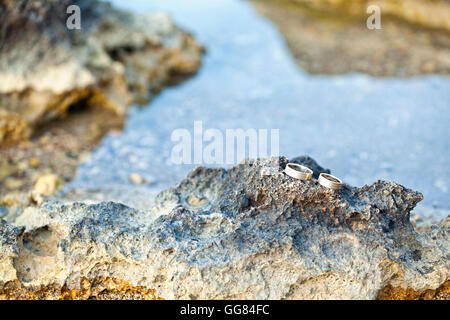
(241, 233)
(115, 59)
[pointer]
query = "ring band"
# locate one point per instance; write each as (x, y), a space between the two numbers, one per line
(329, 181)
(298, 171)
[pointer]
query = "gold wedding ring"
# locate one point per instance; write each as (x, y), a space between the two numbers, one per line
(298, 171)
(329, 181)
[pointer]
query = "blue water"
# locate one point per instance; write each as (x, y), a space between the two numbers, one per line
(362, 128)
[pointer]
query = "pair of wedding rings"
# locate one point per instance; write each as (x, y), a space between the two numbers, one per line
(298, 171)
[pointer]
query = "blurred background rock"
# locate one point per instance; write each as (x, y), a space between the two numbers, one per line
(61, 90)
(331, 37)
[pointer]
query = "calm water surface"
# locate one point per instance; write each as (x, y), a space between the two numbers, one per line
(362, 128)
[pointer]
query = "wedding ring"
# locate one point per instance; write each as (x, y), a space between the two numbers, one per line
(298, 171)
(329, 181)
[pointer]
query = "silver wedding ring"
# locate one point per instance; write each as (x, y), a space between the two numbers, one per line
(298, 171)
(329, 181)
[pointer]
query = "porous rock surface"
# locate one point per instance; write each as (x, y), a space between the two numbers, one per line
(115, 59)
(230, 234)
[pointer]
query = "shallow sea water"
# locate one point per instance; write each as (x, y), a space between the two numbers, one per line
(362, 128)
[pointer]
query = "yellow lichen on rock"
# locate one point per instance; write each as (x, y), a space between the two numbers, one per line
(102, 288)
(12, 127)
(396, 293)
(46, 185)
